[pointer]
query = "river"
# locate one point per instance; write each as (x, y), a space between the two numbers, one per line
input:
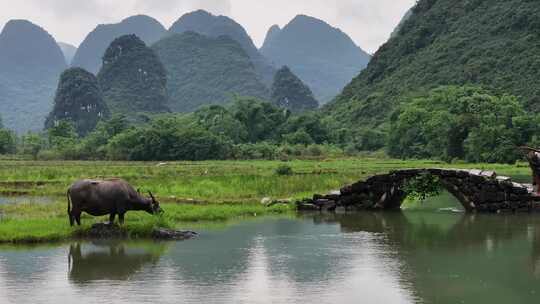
(402, 257)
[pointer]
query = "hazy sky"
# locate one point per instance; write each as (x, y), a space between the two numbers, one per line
(368, 22)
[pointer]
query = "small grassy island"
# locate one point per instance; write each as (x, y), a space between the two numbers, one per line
(191, 193)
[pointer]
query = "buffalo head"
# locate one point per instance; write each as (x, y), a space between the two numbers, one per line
(154, 205)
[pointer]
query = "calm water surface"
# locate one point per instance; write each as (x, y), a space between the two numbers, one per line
(407, 257)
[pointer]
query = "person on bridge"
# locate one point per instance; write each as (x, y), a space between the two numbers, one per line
(533, 156)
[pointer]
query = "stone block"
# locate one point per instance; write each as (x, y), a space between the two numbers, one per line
(462, 174)
(346, 190)
(489, 174)
(477, 179)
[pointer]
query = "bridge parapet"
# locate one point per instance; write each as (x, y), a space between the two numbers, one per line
(476, 190)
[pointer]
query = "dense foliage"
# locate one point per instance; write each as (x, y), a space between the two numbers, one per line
(462, 123)
(289, 92)
(495, 44)
(133, 78)
(204, 23)
(246, 129)
(7, 140)
(203, 70)
(325, 58)
(30, 64)
(79, 100)
(91, 50)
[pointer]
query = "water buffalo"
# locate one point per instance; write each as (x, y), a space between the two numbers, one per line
(102, 197)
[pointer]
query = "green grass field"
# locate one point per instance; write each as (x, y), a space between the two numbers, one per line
(189, 191)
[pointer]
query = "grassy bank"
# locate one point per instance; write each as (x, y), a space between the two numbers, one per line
(49, 222)
(214, 191)
(215, 181)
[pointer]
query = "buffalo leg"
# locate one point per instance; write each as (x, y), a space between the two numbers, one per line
(111, 218)
(75, 215)
(71, 219)
(121, 218)
(78, 218)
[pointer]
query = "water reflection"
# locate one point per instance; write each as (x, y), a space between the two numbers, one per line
(13, 199)
(402, 257)
(452, 259)
(109, 260)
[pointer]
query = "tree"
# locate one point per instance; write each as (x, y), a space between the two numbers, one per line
(63, 138)
(32, 144)
(309, 123)
(261, 119)
(93, 146)
(461, 122)
(300, 137)
(220, 121)
(7, 141)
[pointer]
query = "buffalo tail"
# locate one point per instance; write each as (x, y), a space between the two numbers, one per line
(68, 194)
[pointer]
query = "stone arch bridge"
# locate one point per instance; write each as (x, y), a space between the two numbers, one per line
(476, 190)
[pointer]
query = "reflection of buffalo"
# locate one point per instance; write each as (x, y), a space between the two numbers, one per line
(110, 261)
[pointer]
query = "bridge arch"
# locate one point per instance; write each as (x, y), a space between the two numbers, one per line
(476, 190)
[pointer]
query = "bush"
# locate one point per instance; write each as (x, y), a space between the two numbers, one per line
(314, 150)
(350, 150)
(300, 137)
(284, 170)
(166, 142)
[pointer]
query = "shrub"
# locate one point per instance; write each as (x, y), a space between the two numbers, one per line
(284, 170)
(314, 150)
(300, 137)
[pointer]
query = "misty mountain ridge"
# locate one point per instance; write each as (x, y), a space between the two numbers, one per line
(324, 57)
(68, 50)
(30, 64)
(19, 42)
(29, 77)
(205, 23)
(202, 70)
(93, 47)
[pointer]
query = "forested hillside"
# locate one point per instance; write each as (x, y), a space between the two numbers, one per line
(494, 44)
(133, 78)
(93, 47)
(210, 25)
(203, 70)
(289, 92)
(78, 100)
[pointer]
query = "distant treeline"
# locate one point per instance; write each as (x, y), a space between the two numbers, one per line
(248, 128)
(448, 123)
